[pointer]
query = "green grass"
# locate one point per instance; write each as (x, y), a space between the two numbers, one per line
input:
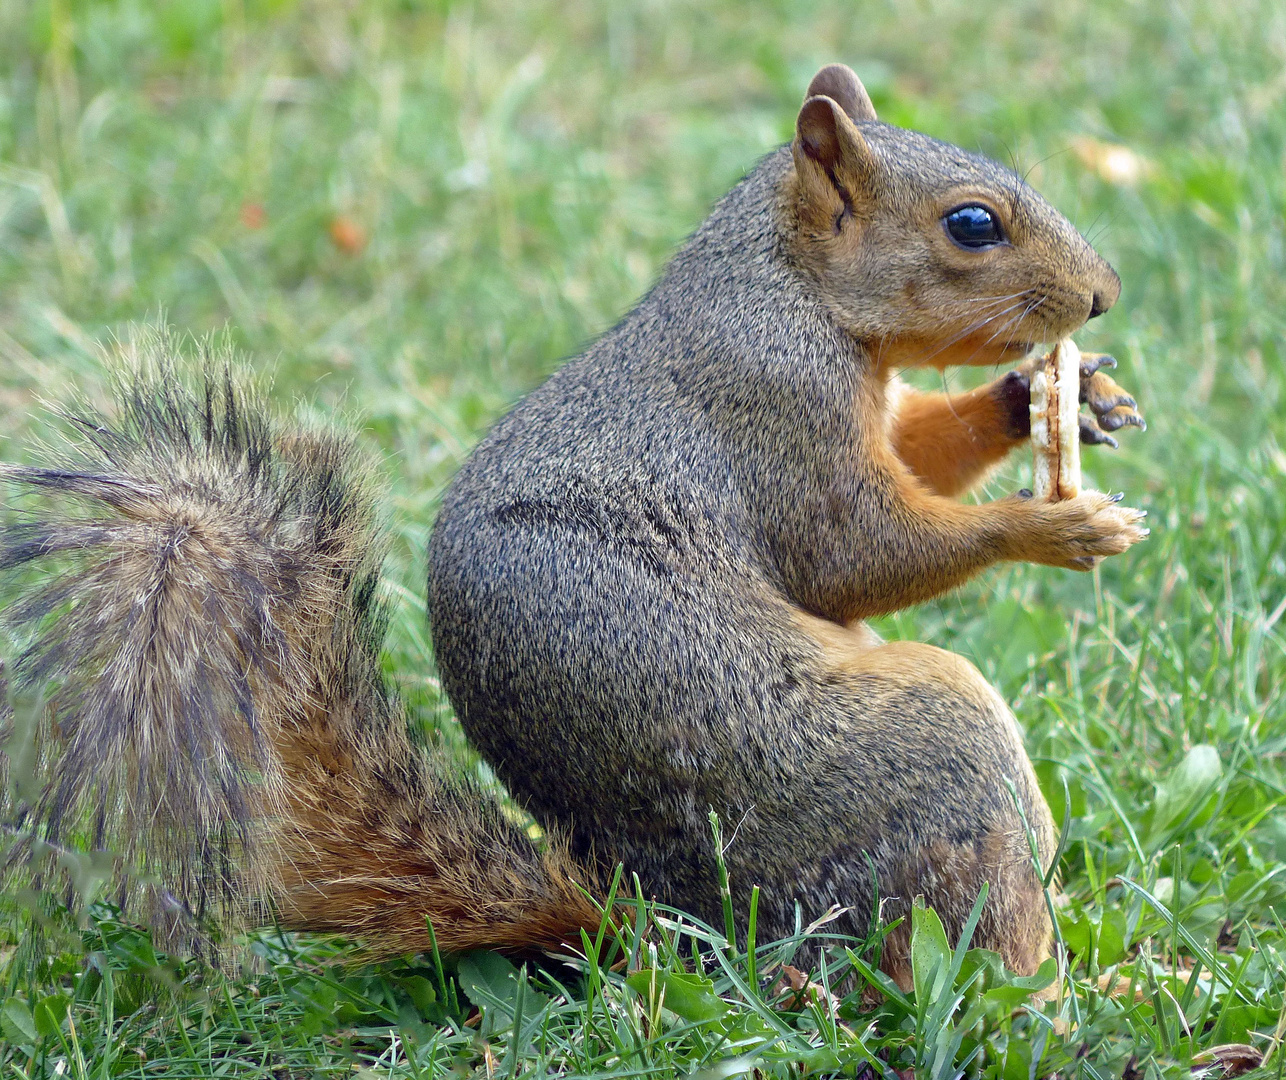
(510, 180)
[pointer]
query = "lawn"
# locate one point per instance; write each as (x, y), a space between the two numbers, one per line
(407, 214)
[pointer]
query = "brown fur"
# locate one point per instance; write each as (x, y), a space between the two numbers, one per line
(645, 588)
(221, 710)
(644, 583)
(950, 875)
(951, 441)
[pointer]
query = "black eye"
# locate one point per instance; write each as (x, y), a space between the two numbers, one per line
(974, 227)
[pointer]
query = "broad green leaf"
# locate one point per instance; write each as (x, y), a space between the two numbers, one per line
(50, 1014)
(421, 992)
(930, 953)
(489, 972)
(748, 1029)
(491, 983)
(1112, 936)
(18, 1023)
(1242, 883)
(1019, 988)
(823, 1060)
(689, 997)
(1017, 1063)
(1076, 934)
(1189, 783)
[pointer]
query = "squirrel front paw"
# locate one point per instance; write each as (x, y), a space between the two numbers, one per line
(1112, 407)
(1076, 533)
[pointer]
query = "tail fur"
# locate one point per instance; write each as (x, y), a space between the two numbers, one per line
(209, 640)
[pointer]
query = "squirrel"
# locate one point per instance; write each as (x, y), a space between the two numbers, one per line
(647, 587)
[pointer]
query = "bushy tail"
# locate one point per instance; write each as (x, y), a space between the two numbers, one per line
(209, 642)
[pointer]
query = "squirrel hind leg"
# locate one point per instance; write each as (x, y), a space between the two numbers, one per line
(927, 748)
(1014, 922)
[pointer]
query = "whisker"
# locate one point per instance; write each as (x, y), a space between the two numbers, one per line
(1041, 161)
(1008, 325)
(973, 327)
(1102, 231)
(946, 393)
(986, 317)
(986, 299)
(1034, 306)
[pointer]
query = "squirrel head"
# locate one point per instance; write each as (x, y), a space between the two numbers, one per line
(926, 253)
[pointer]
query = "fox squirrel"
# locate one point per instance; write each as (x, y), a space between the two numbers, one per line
(646, 588)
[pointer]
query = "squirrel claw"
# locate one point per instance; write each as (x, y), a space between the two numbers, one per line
(1103, 393)
(1112, 406)
(1092, 436)
(1121, 416)
(1092, 362)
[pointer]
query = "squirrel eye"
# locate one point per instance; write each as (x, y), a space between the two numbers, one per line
(973, 227)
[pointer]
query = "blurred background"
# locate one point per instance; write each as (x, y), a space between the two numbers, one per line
(419, 209)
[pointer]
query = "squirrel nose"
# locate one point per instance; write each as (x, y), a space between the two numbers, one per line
(1103, 297)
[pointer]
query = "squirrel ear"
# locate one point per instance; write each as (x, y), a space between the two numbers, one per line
(840, 83)
(825, 136)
